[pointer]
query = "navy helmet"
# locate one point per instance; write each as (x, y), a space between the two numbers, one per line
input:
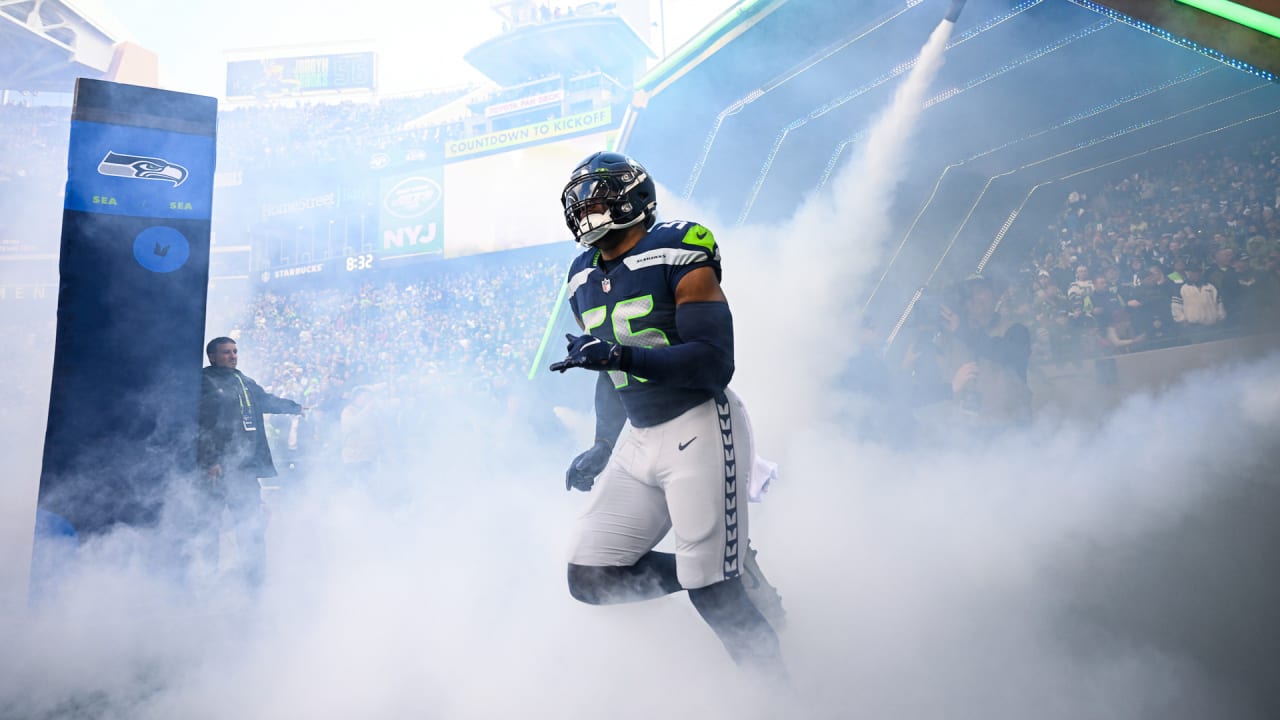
(607, 191)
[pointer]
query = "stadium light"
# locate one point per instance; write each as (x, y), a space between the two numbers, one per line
(1237, 13)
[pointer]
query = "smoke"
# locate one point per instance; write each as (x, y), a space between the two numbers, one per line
(1044, 574)
(961, 583)
(1108, 568)
(423, 594)
(817, 264)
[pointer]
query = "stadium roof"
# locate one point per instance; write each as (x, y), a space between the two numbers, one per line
(46, 45)
(569, 45)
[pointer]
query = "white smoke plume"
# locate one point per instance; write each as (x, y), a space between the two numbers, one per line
(817, 265)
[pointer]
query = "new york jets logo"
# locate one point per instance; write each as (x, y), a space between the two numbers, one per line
(142, 168)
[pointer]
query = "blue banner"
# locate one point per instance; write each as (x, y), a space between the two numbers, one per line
(123, 170)
(133, 279)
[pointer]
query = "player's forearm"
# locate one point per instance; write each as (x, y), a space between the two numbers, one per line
(703, 360)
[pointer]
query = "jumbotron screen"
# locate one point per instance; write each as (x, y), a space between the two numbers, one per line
(302, 75)
(493, 193)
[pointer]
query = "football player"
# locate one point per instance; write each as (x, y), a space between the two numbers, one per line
(660, 335)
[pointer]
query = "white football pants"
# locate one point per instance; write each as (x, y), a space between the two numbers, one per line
(688, 475)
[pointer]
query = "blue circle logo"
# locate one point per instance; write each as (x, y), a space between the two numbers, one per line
(161, 249)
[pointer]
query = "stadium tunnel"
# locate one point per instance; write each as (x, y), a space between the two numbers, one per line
(760, 109)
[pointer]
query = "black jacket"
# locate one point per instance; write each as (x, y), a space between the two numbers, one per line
(223, 438)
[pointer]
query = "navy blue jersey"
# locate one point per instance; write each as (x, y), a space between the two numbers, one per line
(634, 303)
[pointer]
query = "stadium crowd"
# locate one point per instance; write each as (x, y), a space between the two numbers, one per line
(311, 134)
(249, 138)
(30, 138)
(1163, 256)
(473, 329)
(474, 324)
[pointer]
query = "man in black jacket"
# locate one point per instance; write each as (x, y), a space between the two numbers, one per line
(233, 453)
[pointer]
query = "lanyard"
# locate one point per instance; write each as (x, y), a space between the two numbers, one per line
(245, 402)
(246, 407)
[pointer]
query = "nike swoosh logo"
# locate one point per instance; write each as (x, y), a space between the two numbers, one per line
(701, 235)
(686, 443)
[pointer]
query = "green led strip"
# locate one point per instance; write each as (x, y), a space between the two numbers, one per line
(546, 334)
(727, 19)
(1237, 13)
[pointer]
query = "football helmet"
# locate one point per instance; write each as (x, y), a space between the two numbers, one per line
(607, 191)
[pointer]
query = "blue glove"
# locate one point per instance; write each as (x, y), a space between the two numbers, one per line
(584, 468)
(592, 353)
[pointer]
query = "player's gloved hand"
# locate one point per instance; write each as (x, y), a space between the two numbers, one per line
(584, 468)
(592, 353)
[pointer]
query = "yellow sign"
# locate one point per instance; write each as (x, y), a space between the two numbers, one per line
(529, 134)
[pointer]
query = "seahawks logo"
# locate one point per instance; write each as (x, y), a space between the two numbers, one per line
(146, 168)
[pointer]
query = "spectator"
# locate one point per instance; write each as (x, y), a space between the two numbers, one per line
(1251, 298)
(1081, 287)
(1137, 271)
(981, 361)
(1196, 303)
(1151, 314)
(1221, 275)
(1046, 294)
(1104, 301)
(1121, 335)
(1179, 273)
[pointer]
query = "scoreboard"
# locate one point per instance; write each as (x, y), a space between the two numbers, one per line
(301, 75)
